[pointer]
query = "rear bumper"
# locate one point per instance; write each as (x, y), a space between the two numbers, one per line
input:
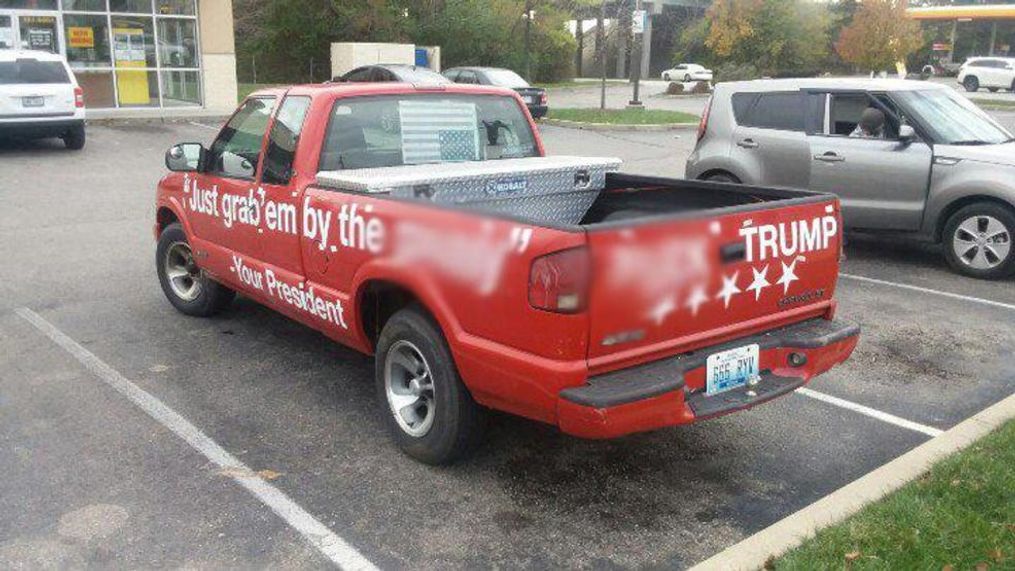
(39, 128)
(671, 391)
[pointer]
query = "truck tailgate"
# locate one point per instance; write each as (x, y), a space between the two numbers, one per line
(670, 285)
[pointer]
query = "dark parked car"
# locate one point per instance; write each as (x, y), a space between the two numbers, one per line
(534, 97)
(392, 72)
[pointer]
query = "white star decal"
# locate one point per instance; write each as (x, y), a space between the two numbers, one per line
(760, 282)
(788, 276)
(697, 298)
(662, 310)
(729, 288)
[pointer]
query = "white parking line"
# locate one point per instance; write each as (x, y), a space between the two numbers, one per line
(932, 291)
(884, 416)
(316, 533)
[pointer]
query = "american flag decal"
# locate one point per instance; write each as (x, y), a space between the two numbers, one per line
(438, 132)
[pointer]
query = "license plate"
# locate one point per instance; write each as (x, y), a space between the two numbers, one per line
(33, 101)
(731, 369)
(533, 99)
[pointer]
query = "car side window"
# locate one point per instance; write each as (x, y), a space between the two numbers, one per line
(282, 141)
(452, 75)
(467, 77)
(783, 111)
(846, 108)
(237, 150)
(358, 75)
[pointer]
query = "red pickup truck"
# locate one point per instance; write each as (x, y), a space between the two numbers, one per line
(425, 226)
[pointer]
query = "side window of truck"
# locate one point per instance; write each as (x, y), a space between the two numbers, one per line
(285, 135)
(236, 152)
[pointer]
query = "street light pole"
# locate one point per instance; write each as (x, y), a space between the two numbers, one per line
(636, 64)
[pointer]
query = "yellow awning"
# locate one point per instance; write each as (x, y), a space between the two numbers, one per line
(992, 12)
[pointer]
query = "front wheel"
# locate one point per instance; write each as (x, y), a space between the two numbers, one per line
(428, 410)
(978, 241)
(186, 285)
(687, 79)
(666, 77)
(992, 89)
(971, 84)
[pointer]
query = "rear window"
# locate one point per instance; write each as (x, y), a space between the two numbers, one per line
(394, 130)
(32, 71)
(783, 111)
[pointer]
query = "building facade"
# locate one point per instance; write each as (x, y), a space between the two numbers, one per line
(135, 57)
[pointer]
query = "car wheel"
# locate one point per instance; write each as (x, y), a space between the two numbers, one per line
(992, 89)
(687, 78)
(427, 409)
(666, 77)
(186, 286)
(971, 83)
(75, 138)
(978, 241)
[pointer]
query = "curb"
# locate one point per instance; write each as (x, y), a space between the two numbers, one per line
(616, 127)
(778, 538)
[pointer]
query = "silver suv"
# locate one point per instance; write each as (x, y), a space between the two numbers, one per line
(939, 170)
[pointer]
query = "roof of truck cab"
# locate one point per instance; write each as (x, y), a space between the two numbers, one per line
(876, 84)
(381, 88)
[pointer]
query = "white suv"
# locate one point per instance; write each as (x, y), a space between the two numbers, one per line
(991, 72)
(40, 98)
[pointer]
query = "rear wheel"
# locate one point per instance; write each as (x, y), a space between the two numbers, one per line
(971, 83)
(186, 286)
(75, 138)
(666, 77)
(428, 410)
(978, 241)
(992, 89)
(687, 78)
(722, 177)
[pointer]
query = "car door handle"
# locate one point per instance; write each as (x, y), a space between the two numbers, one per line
(830, 157)
(747, 143)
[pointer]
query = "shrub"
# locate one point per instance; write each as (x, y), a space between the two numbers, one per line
(674, 88)
(736, 72)
(701, 88)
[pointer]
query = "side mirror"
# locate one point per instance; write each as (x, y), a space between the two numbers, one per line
(186, 157)
(906, 134)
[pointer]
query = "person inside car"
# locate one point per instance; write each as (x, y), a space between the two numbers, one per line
(871, 125)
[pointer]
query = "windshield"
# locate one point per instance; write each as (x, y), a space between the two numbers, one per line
(394, 130)
(32, 71)
(951, 118)
(505, 78)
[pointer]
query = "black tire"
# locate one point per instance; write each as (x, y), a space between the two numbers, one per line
(457, 423)
(971, 83)
(722, 177)
(75, 138)
(992, 89)
(687, 78)
(666, 77)
(980, 211)
(211, 298)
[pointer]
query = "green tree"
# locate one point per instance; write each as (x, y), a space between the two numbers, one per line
(879, 35)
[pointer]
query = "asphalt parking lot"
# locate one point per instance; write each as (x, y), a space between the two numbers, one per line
(91, 480)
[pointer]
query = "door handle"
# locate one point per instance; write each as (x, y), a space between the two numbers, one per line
(747, 143)
(830, 157)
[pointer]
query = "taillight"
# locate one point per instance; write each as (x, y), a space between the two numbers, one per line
(559, 282)
(79, 97)
(703, 124)
(542, 98)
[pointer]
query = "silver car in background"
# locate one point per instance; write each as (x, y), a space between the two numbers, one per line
(943, 171)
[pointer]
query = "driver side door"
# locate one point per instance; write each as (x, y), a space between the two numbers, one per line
(223, 204)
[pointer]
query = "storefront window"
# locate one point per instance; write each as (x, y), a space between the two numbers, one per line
(178, 42)
(85, 5)
(87, 40)
(6, 32)
(133, 42)
(137, 88)
(130, 6)
(98, 88)
(181, 88)
(175, 7)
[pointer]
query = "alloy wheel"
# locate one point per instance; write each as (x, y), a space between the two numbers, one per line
(182, 272)
(408, 384)
(982, 242)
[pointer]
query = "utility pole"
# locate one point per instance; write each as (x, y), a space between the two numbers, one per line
(639, 38)
(528, 39)
(601, 48)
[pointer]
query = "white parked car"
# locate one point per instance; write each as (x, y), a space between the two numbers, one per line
(994, 73)
(687, 72)
(40, 98)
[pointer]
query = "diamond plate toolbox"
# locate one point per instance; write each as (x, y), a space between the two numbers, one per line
(551, 189)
